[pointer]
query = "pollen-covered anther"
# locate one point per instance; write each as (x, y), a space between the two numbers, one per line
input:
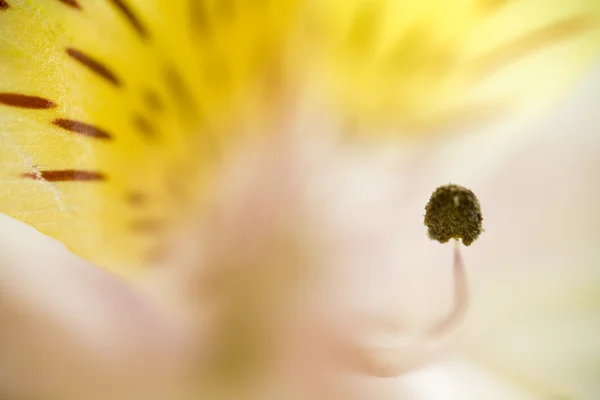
(453, 212)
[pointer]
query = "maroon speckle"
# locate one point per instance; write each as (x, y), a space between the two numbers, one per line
(131, 17)
(82, 128)
(94, 65)
(72, 3)
(25, 101)
(65, 175)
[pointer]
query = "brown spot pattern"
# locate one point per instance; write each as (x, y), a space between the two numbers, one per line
(72, 3)
(94, 65)
(3, 5)
(199, 18)
(25, 101)
(82, 128)
(146, 226)
(153, 101)
(65, 175)
(144, 126)
(137, 199)
(131, 17)
(180, 91)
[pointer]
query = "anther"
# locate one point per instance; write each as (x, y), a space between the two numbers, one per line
(453, 212)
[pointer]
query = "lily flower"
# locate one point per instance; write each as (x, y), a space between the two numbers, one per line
(240, 186)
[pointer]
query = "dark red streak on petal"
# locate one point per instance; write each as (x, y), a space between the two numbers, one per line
(3, 5)
(131, 17)
(24, 101)
(181, 92)
(199, 18)
(66, 175)
(147, 226)
(82, 128)
(94, 65)
(153, 101)
(144, 126)
(137, 199)
(71, 3)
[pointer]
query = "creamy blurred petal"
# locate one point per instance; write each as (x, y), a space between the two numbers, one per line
(536, 270)
(70, 330)
(461, 380)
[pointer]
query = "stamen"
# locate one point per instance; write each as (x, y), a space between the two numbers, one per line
(453, 212)
(461, 299)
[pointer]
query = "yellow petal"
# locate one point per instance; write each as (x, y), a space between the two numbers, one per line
(428, 65)
(111, 112)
